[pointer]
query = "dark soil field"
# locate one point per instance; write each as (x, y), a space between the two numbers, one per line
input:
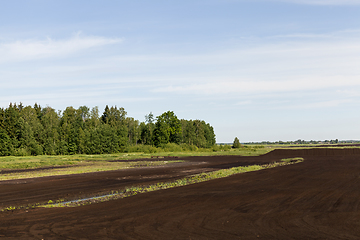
(316, 199)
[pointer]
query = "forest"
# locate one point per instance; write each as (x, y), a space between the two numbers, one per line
(27, 130)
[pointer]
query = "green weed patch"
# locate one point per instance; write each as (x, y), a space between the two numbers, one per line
(83, 167)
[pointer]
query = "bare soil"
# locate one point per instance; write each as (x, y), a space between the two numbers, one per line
(316, 199)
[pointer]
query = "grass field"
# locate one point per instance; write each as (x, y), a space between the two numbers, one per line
(81, 167)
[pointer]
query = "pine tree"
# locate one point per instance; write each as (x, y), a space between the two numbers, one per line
(5, 144)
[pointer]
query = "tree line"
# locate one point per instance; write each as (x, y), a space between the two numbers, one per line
(27, 130)
(300, 141)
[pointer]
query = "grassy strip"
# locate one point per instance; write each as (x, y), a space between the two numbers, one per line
(83, 167)
(197, 178)
(33, 162)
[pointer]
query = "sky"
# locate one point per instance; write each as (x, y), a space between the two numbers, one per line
(259, 70)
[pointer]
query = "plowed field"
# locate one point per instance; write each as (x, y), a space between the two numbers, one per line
(316, 199)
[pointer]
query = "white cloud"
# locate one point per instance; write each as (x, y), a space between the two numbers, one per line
(23, 50)
(325, 104)
(254, 86)
(349, 92)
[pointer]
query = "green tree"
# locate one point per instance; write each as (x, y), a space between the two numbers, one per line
(36, 130)
(38, 110)
(161, 133)
(209, 135)
(149, 118)
(94, 121)
(26, 140)
(32, 118)
(114, 116)
(236, 143)
(167, 129)
(5, 143)
(200, 140)
(133, 130)
(111, 140)
(146, 129)
(11, 117)
(69, 125)
(188, 131)
(50, 136)
(198, 133)
(2, 118)
(84, 113)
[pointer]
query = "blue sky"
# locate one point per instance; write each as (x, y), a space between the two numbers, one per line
(261, 70)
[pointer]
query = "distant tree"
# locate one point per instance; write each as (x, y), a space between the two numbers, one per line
(236, 143)
(26, 130)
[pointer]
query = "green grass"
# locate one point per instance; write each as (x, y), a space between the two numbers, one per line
(83, 167)
(290, 160)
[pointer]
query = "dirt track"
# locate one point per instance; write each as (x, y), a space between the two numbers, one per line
(316, 199)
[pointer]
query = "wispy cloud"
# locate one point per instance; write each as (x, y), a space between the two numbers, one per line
(23, 50)
(254, 86)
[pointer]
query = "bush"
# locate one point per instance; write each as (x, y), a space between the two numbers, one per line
(141, 148)
(171, 147)
(22, 152)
